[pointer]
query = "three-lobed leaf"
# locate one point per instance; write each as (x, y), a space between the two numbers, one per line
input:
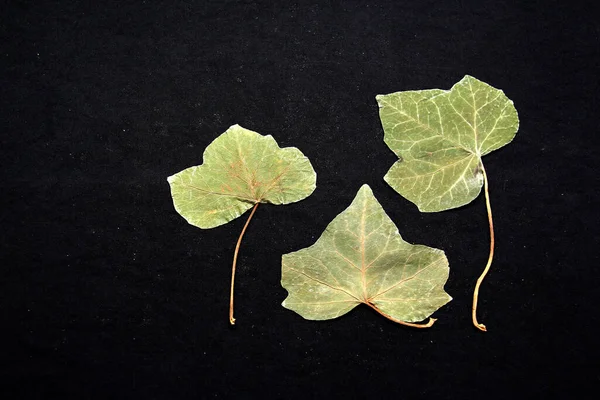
(440, 137)
(240, 168)
(361, 258)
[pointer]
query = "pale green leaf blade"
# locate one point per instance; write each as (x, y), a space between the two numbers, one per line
(439, 180)
(241, 168)
(411, 283)
(479, 117)
(408, 119)
(429, 128)
(199, 199)
(359, 253)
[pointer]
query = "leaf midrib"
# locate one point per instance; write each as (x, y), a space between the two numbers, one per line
(362, 251)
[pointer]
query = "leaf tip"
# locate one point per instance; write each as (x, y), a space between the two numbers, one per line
(423, 209)
(365, 187)
(364, 191)
(469, 78)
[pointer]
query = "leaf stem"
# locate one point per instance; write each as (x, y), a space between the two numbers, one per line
(235, 255)
(427, 325)
(491, 256)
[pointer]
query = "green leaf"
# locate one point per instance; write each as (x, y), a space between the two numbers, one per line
(440, 137)
(241, 168)
(361, 258)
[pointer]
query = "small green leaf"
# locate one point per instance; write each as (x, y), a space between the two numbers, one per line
(440, 137)
(361, 258)
(241, 168)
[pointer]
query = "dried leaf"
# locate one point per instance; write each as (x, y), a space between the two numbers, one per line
(440, 137)
(241, 169)
(361, 258)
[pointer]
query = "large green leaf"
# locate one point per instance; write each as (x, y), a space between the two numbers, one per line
(241, 168)
(440, 137)
(361, 258)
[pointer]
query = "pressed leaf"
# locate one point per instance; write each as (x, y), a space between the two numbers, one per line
(440, 137)
(361, 258)
(241, 169)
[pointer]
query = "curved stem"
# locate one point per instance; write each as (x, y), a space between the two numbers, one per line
(491, 256)
(427, 325)
(235, 254)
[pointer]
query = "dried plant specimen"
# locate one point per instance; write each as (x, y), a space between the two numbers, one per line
(240, 170)
(361, 259)
(440, 137)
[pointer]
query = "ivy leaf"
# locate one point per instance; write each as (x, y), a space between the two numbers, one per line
(440, 137)
(241, 169)
(361, 258)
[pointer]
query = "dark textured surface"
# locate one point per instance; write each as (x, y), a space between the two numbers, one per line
(106, 292)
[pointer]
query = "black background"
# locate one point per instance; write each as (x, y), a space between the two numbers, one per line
(106, 292)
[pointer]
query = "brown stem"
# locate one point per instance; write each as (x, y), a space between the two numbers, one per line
(235, 254)
(491, 256)
(427, 325)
